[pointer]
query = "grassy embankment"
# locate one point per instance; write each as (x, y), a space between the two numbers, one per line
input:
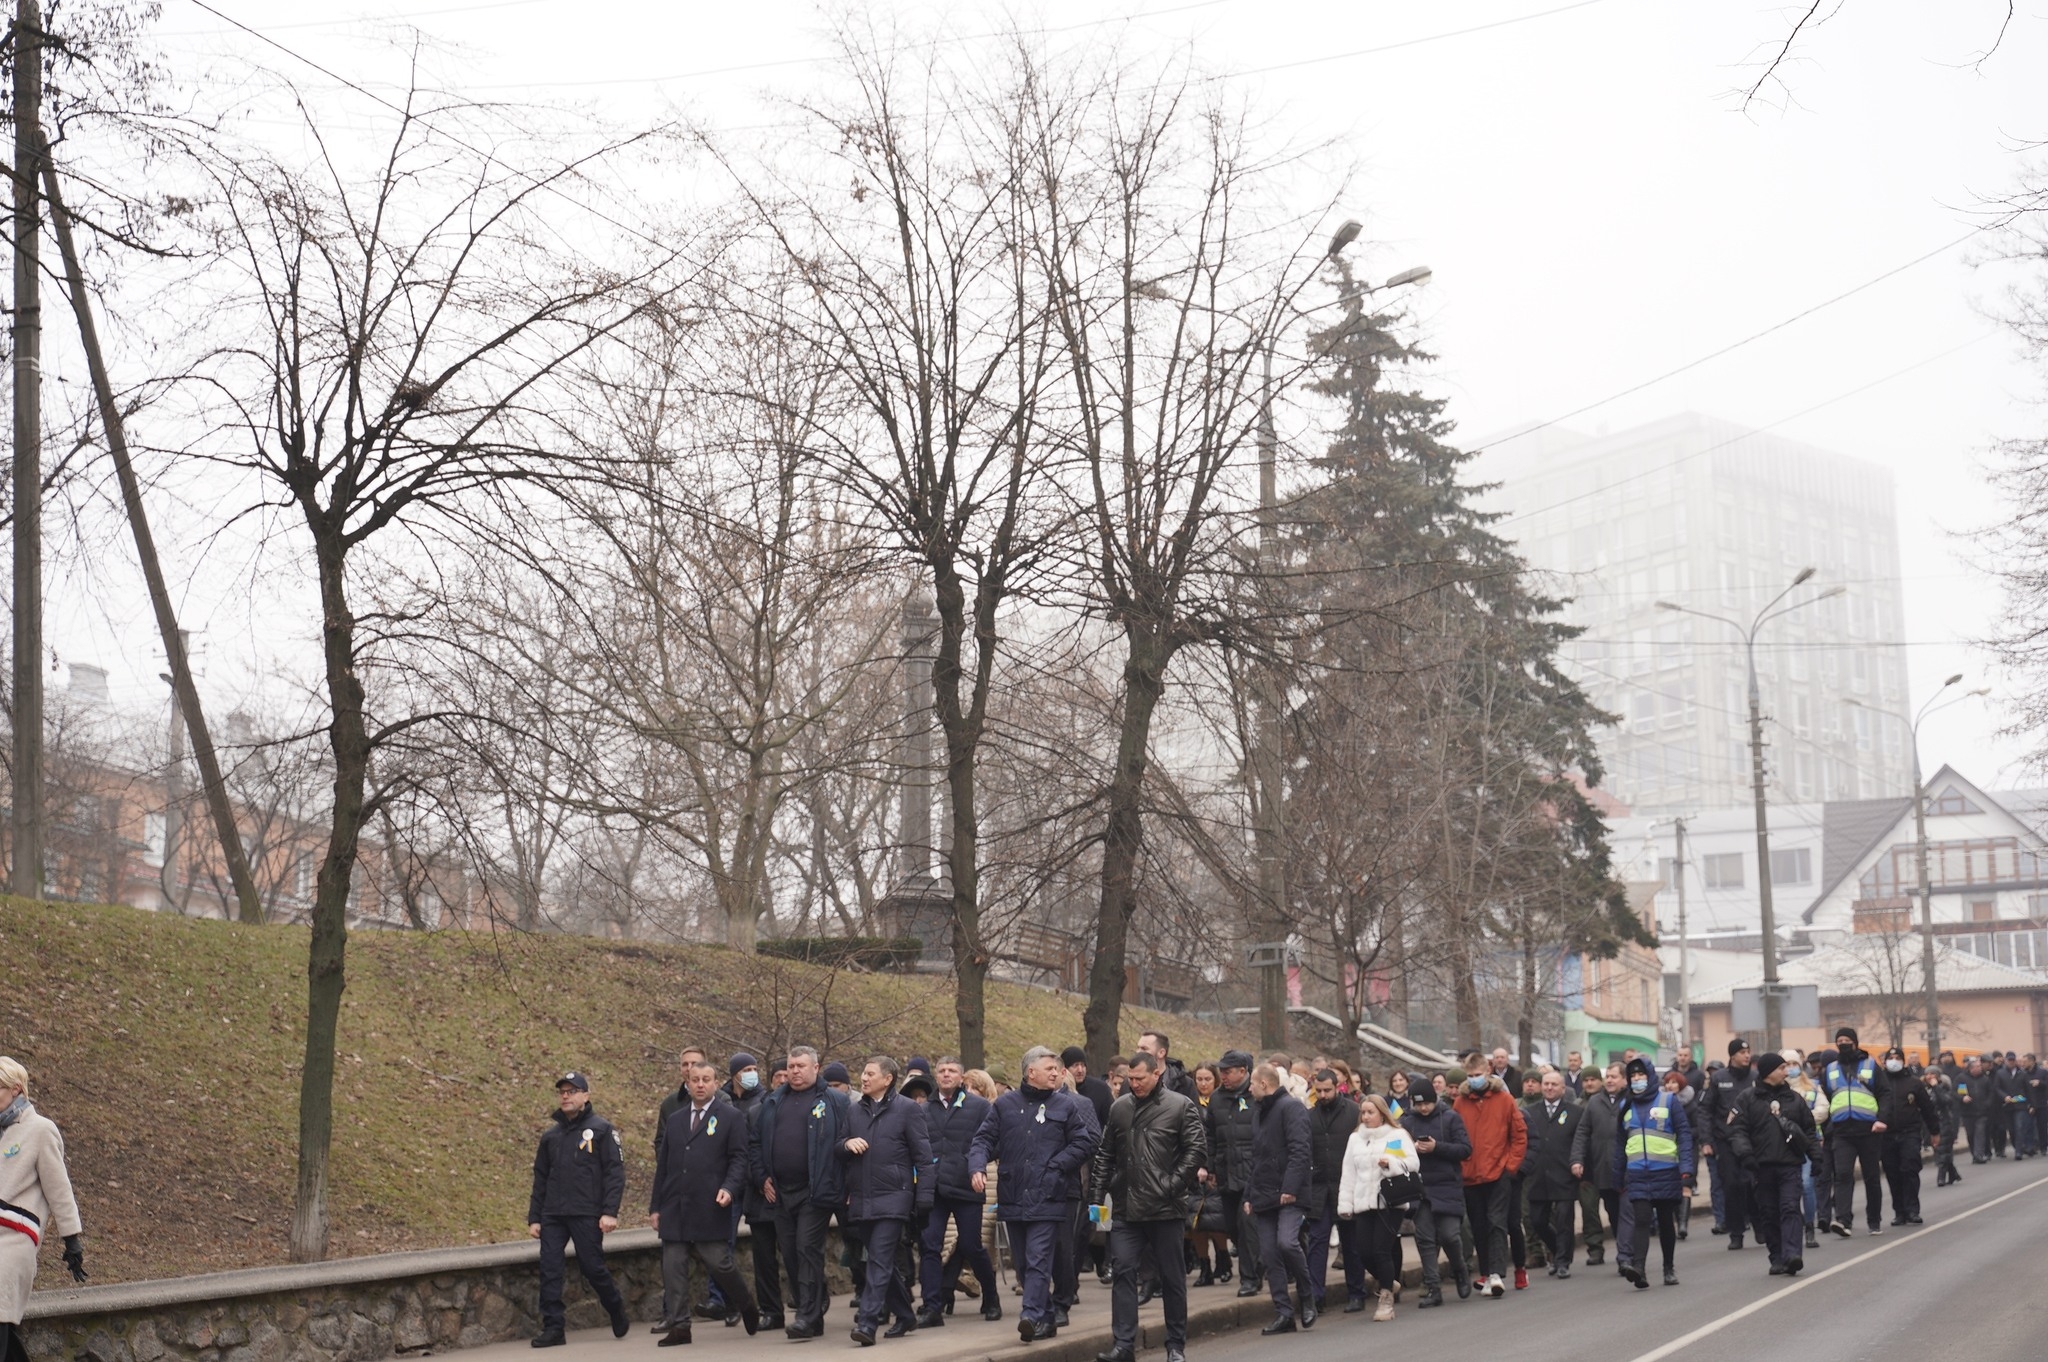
(168, 1050)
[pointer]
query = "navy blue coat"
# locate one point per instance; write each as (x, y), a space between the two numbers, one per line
(894, 1178)
(951, 1126)
(1280, 1153)
(1443, 1168)
(823, 1110)
(1043, 1142)
(1659, 1184)
(577, 1171)
(693, 1168)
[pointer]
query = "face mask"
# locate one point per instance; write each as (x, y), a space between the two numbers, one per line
(749, 1081)
(1892, 1066)
(1477, 1082)
(1639, 1085)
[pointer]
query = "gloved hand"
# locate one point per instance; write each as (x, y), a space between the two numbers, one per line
(74, 1257)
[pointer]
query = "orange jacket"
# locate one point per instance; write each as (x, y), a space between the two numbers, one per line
(1500, 1138)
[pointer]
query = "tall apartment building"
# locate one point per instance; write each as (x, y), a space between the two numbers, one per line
(1706, 514)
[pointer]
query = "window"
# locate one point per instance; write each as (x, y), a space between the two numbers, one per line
(1950, 801)
(1793, 865)
(1723, 871)
(153, 838)
(1642, 713)
(1667, 872)
(1983, 910)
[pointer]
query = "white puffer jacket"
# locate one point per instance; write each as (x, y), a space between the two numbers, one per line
(1360, 1189)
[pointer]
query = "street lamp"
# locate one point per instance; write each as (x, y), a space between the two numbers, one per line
(1773, 1003)
(1270, 955)
(1932, 993)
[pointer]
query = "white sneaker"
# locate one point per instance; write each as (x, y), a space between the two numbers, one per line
(1494, 1286)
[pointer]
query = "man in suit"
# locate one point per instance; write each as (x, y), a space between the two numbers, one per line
(1547, 1176)
(699, 1176)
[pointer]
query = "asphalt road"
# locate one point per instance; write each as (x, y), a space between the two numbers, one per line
(1899, 1295)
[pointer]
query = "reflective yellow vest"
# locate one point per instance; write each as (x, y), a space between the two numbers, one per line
(1851, 1098)
(1651, 1142)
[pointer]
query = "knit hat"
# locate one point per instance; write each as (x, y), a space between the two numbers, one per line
(1737, 1046)
(835, 1072)
(918, 1064)
(1849, 1031)
(741, 1060)
(1073, 1055)
(1768, 1063)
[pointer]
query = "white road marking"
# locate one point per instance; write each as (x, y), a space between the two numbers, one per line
(1707, 1330)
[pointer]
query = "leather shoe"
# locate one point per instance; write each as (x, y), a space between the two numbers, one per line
(1354, 1305)
(1059, 1317)
(993, 1310)
(1042, 1330)
(1306, 1316)
(772, 1320)
(1432, 1297)
(1116, 1355)
(1248, 1289)
(800, 1334)
(1464, 1288)
(1176, 1355)
(551, 1339)
(1147, 1293)
(900, 1328)
(930, 1319)
(751, 1318)
(674, 1337)
(1282, 1324)
(1026, 1329)
(864, 1337)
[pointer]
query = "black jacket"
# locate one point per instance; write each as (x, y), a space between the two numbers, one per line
(1976, 1094)
(1716, 1105)
(1943, 1098)
(692, 1168)
(758, 1208)
(1329, 1130)
(1096, 1091)
(1907, 1108)
(1179, 1080)
(578, 1170)
(1148, 1152)
(1547, 1167)
(1772, 1126)
(950, 1126)
(1280, 1157)
(1593, 1140)
(823, 1111)
(1229, 1118)
(1443, 1172)
(893, 1179)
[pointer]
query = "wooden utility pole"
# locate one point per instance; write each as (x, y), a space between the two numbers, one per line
(174, 798)
(26, 874)
(249, 905)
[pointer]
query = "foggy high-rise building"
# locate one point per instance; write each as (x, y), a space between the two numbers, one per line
(1708, 515)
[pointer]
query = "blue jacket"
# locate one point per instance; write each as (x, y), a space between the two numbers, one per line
(824, 1111)
(894, 1178)
(1657, 1184)
(1443, 1171)
(952, 1127)
(1043, 1140)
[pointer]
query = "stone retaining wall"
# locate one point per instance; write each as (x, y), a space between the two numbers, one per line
(352, 1310)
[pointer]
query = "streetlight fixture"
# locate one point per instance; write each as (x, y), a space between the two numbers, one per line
(1931, 999)
(1773, 1001)
(1269, 956)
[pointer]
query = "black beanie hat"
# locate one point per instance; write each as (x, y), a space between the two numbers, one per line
(1849, 1031)
(1768, 1063)
(1737, 1046)
(1073, 1055)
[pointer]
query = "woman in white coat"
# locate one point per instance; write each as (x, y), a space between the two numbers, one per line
(35, 1198)
(1377, 1149)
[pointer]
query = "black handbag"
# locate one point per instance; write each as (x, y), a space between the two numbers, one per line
(1400, 1189)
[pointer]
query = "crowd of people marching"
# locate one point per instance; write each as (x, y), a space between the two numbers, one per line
(1159, 1177)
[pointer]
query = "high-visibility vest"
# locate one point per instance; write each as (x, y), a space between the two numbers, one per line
(1651, 1142)
(1850, 1098)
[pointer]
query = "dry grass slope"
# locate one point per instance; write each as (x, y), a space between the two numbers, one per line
(168, 1050)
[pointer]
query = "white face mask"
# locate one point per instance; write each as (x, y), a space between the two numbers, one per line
(1639, 1085)
(1892, 1066)
(749, 1081)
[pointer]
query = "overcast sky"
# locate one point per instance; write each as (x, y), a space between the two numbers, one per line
(1596, 202)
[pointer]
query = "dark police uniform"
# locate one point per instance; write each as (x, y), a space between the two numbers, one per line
(579, 1176)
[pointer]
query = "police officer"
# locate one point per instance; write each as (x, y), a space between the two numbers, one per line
(1717, 1107)
(1857, 1090)
(699, 1175)
(1772, 1131)
(579, 1176)
(1910, 1119)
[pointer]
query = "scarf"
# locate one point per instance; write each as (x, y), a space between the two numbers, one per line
(16, 1109)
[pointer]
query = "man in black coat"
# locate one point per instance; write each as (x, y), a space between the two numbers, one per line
(1547, 1175)
(1716, 1109)
(1592, 1157)
(1441, 1146)
(1330, 1123)
(579, 1177)
(1909, 1116)
(1976, 1105)
(889, 1181)
(699, 1176)
(1080, 1240)
(794, 1159)
(1275, 1190)
(1175, 1075)
(1151, 1146)
(1771, 1135)
(746, 1084)
(952, 1118)
(1228, 1129)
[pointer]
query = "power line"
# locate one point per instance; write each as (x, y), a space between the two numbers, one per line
(356, 19)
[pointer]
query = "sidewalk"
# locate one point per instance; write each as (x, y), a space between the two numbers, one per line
(966, 1337)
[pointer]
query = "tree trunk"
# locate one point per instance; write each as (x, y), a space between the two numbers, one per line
(1464, 987)
(349, 740)
(1122, 838)
(962, 729)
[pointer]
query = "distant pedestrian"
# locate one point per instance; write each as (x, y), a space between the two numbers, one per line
(1229, 1133)
(700, 1173)
(952, 1119)
(1500, 1141)
(35, 1201)
(1592, 1156)
(1548, 1175)
(1909, 1117)
(1042, 1136)
(1716, 1113)
(1274, 1195)
(1377, 1150)
(1441, 1146)
(579, 1178)
(1331, 1122)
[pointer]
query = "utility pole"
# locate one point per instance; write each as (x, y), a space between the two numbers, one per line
(1269, 954)
(174, 796)
(26, 875)
(1684, 949)
(1932, 1000)
(1773, 1011)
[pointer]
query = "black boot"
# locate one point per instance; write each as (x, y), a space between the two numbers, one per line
(1204, 1277)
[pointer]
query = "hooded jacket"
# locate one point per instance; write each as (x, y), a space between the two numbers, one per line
(1443, 1180)
(1658, 1184)
(1280, 1153)
(1716, 1106)
(1499, 1136)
